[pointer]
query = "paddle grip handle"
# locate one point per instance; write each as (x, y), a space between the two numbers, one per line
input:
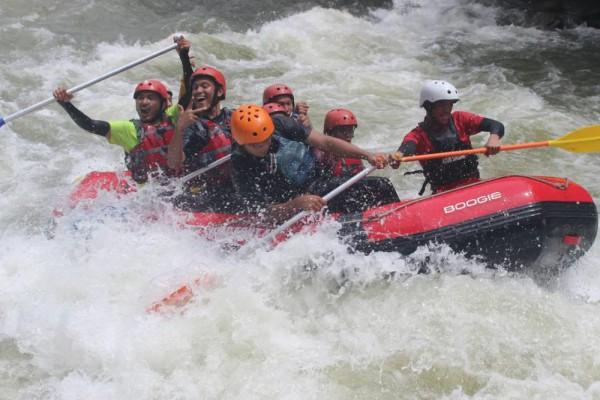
(348, 183)
(210, 166)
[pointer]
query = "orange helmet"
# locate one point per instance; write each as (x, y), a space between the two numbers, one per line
(339, 117)
(251, 124)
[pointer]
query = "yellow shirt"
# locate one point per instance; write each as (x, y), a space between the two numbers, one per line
(123, 133)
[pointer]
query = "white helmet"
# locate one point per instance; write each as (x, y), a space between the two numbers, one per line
(433, 91)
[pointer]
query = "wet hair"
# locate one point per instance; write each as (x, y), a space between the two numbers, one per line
(427, 105)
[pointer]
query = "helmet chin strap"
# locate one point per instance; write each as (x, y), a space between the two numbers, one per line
(215, 100)
(159, 115)
(293, 107)
(213, 104)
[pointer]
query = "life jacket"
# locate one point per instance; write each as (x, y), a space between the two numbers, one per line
(446, 173)
(330, 165)
(150, 154)
(224, 120)
(295, 160)
(347, 167)
(218, 146)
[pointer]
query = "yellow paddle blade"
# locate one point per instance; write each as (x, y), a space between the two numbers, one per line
(583, 140)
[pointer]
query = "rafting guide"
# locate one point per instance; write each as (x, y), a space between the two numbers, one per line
(443, 131)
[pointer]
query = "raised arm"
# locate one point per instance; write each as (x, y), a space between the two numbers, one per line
(183, 49)
(97, 127)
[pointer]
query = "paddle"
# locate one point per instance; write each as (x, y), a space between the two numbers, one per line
(88, 83)
(183, 294)
(210, 166)
(582, 140)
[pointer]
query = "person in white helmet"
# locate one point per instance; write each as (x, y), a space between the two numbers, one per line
(443, 130)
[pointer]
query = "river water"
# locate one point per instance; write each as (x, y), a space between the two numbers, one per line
(306, 320)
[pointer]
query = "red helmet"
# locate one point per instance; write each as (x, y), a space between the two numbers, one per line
(339, 117)
(275, 90)
(152, 85)
(212, 73)
(273, 108)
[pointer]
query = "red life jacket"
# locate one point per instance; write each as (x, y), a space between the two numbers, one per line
(347, 167)
(218, 146)
(150, 153)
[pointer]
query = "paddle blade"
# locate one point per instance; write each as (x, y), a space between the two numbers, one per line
(583, 140)
(2, 121)
(185, 293)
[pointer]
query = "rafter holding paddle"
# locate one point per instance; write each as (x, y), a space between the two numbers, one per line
(582, 140)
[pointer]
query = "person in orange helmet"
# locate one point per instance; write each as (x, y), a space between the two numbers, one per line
(272, 173)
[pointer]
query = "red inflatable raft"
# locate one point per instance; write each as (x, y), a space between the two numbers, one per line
(516, 221)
